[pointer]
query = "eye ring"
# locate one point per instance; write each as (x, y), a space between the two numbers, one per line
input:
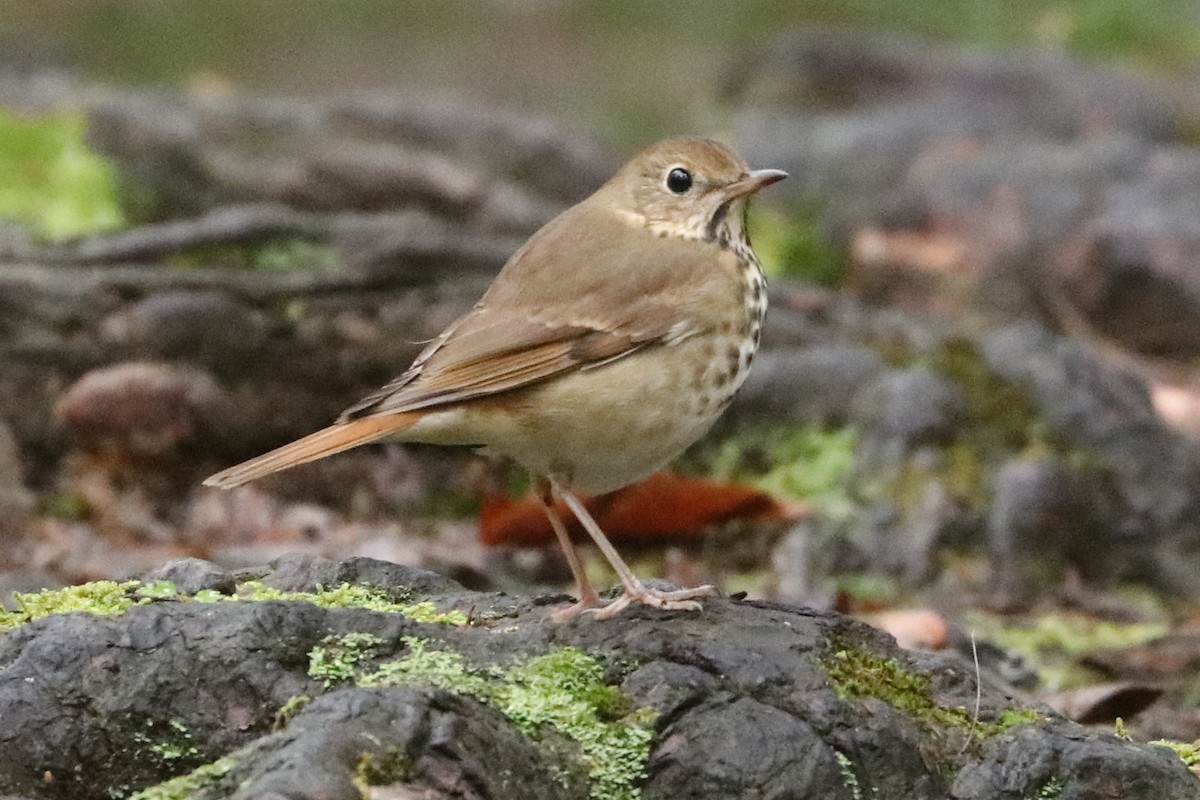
(679, 180)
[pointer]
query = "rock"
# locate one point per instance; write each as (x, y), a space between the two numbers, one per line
(24, 581)
(365, 150)
(934, 438)
(16, 502)
(773, 751)
(1031, 186)
(298, 220)
(1050, 93)
(812, 384)
(1006, 667)
(134, 433)
(1021, 764)
(15, 240)
(740, 699)
(1105, 410)
(304, 573)
(903, 409)
(911, 549)
(1045, 516)
(143, 410)
(1129, 273)
(418, 249)
(194, 325)
(935, 434)
(447, 740)
(191, 575)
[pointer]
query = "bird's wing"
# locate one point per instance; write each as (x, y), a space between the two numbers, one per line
(496, 352)
(533, 324)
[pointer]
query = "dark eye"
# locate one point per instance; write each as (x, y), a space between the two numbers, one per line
(679, 180)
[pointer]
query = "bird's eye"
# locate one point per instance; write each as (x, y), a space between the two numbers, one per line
(679, 180)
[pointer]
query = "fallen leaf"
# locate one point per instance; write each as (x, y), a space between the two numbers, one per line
(663, 508)
(1104, 702)
(1166, 657)
(914, 628)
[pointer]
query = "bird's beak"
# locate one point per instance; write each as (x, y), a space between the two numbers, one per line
(754, 181)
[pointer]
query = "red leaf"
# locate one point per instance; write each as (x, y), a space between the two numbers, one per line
(663, 508)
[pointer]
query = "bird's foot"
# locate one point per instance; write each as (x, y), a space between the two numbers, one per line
(588, 601)
(679, 600)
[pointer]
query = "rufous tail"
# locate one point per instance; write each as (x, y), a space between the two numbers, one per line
(325, 442)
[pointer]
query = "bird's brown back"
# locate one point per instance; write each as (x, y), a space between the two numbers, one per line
(587, 288)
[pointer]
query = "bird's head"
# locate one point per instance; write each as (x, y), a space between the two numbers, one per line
(689, 187)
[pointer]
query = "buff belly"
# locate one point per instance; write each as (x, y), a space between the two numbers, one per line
(603, 428)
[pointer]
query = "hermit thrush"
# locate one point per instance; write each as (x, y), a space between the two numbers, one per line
(610, 341)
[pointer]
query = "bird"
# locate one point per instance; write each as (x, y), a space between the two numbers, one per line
(608, 343)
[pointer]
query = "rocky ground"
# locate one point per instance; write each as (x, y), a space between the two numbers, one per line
(361, 678)
(976, 386)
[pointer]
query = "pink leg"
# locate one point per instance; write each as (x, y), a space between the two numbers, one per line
(635, 590)
(583, 588)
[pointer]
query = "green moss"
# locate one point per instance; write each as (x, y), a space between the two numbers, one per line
(563, 690)
(50, 180)
(152, 747)
(106, 598)
(428, 612)
(755, 582)
(336, 658)
(805, 462)
(343, 596)
(64, 505)
(793, 244)
(289, 709)
(849, 779)
(1011, 717)
(112, 598)
(965, 472)
(381, 769)
(292, 707)
(1051, 790)
(869, 589)
(1001, 420)
(175, 743)
(444, 502)
(158, 590)
(295, 254)
(1003, 413)
(351, 596)
(444, 669)
(280, 255)
(191, 785)
(855, 673)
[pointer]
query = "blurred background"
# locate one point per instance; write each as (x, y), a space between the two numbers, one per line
(625, 71)
(977, 408)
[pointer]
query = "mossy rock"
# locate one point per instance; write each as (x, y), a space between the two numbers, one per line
(286, 687)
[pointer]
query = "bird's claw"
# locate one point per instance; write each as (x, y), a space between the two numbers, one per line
(679, 600)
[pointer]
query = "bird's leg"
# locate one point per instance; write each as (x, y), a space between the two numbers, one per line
(583, 588)
(635, 590)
